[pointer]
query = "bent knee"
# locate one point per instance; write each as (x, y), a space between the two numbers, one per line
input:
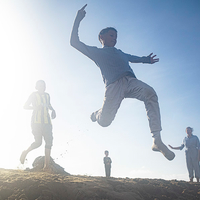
(36, 144)
(104, 123)
(39, 143)
(150, 93)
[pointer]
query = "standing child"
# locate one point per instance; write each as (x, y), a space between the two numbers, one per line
(39, 102)
(120, 81)
(107, 162)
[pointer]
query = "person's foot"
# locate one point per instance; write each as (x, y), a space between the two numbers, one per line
(93, 117)
(23, 157)
(197, 180)
(48, 170)
(191, 179)
(158, 145)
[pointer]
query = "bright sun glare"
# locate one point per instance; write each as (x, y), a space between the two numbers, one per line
(14, 80)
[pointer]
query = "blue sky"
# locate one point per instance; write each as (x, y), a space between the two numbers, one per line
(34, 40)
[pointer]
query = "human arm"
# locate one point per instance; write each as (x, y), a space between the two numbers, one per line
(199, 155)
(29, 105)
(176, 148)
(198, 146)
(53, 113)
(74, 40)
(90, 51)
(150, 59)
(108, 161)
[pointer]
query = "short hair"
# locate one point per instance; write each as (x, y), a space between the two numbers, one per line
(105, 30)
(38, 83)
(106, 151)
(189, 128)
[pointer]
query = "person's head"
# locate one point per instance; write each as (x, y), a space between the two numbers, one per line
(108, 37)
(189, 131)
(40, 86)
(106, 153)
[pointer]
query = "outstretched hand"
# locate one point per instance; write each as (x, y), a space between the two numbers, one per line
(81, 13)
(152, 58)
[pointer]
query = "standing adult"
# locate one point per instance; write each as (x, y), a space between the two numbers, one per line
(192, 153)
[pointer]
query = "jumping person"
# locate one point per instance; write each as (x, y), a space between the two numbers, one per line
(192, 153)
(120, 81)
(41, 125)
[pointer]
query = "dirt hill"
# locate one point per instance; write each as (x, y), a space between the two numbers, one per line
(25, 185)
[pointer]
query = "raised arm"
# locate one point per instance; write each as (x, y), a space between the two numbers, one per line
(74, 40)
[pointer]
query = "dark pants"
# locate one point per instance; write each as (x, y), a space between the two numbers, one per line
(107, 170)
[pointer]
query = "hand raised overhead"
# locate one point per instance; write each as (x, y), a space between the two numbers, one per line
(81, 13)
(83, 8)
(152, 58)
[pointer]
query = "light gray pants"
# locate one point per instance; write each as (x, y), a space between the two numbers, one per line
(192, 163)
(129, 87)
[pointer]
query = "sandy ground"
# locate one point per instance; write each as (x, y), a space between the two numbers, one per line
(19, 184)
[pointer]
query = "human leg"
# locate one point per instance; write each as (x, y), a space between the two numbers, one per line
(47, 158)
(143, 92)
(36, 130)
(114, 95)
(189, 166)
(159, 146)
(107, 170)
(33, 146)
(195, 163)
(48, 138)
(191, 179)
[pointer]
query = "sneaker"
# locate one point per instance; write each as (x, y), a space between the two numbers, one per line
(23, 157)
(161, 147)
(93, 117)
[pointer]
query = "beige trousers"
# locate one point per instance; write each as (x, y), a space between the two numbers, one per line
(129, 87)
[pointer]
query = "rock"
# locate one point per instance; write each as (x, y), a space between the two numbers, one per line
(54, 168)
